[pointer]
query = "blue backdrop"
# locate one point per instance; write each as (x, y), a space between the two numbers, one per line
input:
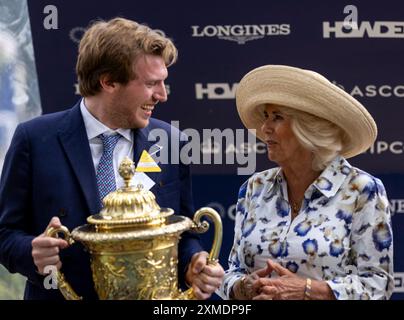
(220, 41)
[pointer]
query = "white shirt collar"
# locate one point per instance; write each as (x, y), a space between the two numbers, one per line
(94, 127)
(328, 183)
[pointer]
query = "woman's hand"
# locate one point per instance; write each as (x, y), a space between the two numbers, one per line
(288, 286)
(243, 289)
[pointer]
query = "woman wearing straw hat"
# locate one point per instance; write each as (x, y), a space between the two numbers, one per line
(315, 227)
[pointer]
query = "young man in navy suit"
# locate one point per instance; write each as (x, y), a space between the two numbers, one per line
(49, 176)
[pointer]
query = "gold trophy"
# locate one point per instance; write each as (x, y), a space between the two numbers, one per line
(133, 244)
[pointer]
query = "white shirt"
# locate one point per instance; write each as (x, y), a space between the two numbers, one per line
(123, 148)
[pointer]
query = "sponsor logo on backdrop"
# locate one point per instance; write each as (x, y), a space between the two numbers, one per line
(229, 213)
(371, 90)
(365, 29)
(221, 141)
(214, 147)
(215, 91)
(398, 281)
(396, 206)
(223, 90)
(76, 33)
(241, 33)
(394, 147)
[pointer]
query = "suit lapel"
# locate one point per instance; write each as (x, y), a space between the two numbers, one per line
(73, 137)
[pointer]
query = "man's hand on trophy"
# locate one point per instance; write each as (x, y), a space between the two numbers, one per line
(45, 250)
(204, 278)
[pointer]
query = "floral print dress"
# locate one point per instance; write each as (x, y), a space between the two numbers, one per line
(342, 233)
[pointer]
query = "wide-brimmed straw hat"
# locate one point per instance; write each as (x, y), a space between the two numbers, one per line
(306, 91)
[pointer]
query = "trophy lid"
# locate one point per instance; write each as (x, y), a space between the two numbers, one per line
(129, 206)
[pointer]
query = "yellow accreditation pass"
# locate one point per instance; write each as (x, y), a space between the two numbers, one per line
(147, 164)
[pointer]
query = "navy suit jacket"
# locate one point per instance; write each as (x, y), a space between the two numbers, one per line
(48, 171)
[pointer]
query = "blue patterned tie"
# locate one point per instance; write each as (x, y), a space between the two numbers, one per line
(105, 171)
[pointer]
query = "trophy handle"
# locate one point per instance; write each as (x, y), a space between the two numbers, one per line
(202, 227)
(64, 287)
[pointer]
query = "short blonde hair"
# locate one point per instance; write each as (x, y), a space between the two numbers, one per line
(112, 48)
(322, 137)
